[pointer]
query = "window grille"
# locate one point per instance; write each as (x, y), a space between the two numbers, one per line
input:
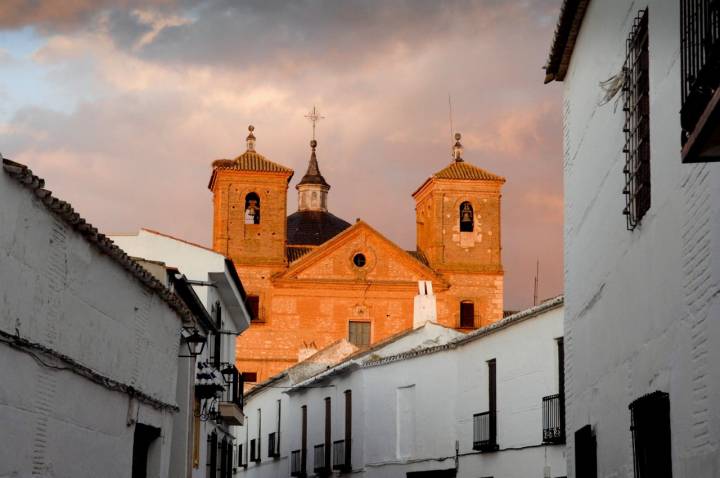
(700, 63)
(650, 426)
(636, 105)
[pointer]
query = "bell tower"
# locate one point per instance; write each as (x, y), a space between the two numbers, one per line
(250, 207)
(458, 230)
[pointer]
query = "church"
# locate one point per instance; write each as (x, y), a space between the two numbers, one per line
(313, 278)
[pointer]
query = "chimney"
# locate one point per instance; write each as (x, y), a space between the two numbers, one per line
(425, 308)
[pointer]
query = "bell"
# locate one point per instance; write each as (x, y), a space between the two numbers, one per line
(466, 214)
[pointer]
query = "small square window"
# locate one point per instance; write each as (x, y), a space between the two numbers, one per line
(359, 334)
(249, 377)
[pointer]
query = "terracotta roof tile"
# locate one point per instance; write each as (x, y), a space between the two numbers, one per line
(23, 175)
(251, 161)
(568, 26)
(463, 170)
(294, 253)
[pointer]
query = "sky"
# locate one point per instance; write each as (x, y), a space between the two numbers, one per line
(122, 105)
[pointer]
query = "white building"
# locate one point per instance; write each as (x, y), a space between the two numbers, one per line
(642, 236)
(206, 444)
(419, 404)
(89, 345)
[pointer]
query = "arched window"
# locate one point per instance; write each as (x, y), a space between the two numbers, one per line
(466, 217)
(252, 209)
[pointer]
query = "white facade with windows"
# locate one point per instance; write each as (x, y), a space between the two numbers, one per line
(204, 427)
(642, 302)
(89, 345)
(407, 406)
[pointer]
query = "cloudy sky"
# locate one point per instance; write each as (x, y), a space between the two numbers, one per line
(121, 105)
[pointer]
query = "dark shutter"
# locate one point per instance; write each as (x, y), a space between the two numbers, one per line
(467, 314)
(303, 452)
(650, 426)
(561, 383)
(218, 335)
(348, 429)
(212, 455)
(492, 400)
(585, 453)
(359, 334)
(328, 432)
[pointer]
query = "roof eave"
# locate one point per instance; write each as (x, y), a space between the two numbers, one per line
(572, 13)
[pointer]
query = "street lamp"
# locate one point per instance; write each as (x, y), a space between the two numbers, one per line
(195, 342)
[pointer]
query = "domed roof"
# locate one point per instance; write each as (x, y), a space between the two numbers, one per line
(313, 227)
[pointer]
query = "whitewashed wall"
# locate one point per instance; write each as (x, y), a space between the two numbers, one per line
(408, 413)
(58, 290)
(199, 264)
(642, 306)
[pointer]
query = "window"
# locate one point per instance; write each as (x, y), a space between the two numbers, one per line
(359, 260)
(466, 217)
(485, 424)
(249, 377)
(328, 432)
(650, 426)
(467, 314)
(359, 334)
(252, 303)
(217, 338)
(145, 458)
(212, 444)
(585, 453)
(636, 104)
(252, 209)
(699, 49)
(254, 452)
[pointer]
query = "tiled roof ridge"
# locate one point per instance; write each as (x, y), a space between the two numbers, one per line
(492, 328)
(24, 175)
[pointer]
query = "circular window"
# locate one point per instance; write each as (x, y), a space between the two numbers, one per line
(359, 260)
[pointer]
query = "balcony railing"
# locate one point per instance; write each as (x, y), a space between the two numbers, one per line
(273, 448)
(319, 465)
(231, 400)
(297, 463)
(341, 456)
(553, 418)
(700, 65)
(484, 431)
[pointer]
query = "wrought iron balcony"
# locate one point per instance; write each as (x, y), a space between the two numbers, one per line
(230, 405)
(297, 463)
(700, 70)
(319, 464)
(341, 456)
(485, 431)
(273, 445)
(553, 417)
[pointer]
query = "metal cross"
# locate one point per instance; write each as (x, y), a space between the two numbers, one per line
(314, 117)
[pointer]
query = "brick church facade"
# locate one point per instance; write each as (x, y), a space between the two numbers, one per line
(313, 278)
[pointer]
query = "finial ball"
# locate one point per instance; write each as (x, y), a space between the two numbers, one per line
(251, 128)
(457, 136)
(313, 143)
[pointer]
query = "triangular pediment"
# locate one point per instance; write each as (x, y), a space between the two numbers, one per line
(336, 260)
